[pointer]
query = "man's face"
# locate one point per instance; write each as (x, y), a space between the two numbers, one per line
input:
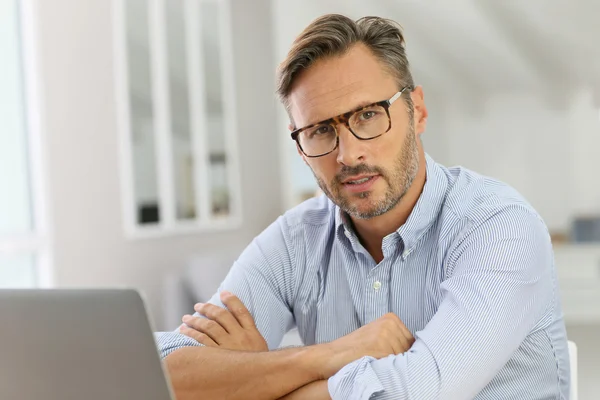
(388, 163)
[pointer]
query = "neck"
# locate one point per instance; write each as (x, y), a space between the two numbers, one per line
(372, 231)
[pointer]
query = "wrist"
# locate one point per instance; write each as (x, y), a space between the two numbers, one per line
(320, 360)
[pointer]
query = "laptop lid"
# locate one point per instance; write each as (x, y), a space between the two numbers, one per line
(92, 344)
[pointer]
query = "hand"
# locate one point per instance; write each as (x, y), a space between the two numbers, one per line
(380, 338)
(232, 328)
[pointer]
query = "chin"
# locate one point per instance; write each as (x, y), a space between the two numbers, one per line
(363, 206)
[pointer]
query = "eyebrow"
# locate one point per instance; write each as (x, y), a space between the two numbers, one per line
(360, 105)
(364, 104)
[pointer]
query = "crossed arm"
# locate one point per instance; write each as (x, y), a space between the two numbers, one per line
(235, 361)
(500, 287)
(233, 328)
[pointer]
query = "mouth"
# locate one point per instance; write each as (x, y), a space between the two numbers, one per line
(358, 180)
(360, 183)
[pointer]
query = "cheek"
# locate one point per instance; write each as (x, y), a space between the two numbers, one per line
(388, 149)
(323, 168)
(384, 152)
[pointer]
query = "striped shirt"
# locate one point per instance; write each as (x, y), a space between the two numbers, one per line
(471, 274)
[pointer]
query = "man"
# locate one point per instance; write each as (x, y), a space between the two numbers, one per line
(407, 280)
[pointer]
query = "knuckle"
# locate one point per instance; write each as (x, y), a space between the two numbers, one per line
(210, 324)
(208, 310)
(200, 308)
(201, 337)
(241, 311)
(391, 317)
(192, 323)
(219, 312)
(193, 334)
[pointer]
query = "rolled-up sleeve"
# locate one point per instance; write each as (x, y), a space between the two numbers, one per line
(263, 279)
(499, 286)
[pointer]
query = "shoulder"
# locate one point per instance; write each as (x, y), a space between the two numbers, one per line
(493, 224)
(316, 211)
(281, 251)
(476, 200)
(313, 219)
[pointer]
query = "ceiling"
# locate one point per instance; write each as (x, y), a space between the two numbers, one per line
(470, 48)
(460, 49)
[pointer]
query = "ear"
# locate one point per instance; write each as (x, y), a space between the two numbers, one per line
(420, 110)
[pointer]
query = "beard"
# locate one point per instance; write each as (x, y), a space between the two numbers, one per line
(399, 179)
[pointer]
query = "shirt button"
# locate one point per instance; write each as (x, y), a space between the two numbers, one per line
(376, 285)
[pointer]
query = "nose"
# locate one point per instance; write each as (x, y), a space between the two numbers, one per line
(350, 149)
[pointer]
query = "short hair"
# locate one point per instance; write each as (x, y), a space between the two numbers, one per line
(333, 35)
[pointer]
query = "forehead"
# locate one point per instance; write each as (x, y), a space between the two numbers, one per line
(336, 85)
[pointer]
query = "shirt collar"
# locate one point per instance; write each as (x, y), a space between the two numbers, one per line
(423, 215)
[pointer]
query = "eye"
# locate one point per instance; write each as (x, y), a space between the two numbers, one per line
(366, 115)
(320, 131)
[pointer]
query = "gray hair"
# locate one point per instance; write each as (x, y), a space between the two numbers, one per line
(333, 35)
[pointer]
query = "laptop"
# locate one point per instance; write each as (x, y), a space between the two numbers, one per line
(92, 344)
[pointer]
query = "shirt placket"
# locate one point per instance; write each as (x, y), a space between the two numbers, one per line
(377, 288)
(376, 296)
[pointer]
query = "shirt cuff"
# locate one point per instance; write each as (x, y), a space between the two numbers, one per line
(356, 381)
(168, 342)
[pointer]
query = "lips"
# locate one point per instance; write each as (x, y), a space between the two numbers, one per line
(360, 184)
(357, 180)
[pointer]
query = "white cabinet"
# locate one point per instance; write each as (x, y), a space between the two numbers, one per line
(578, 269)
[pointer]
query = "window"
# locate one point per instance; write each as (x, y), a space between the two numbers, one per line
(177, 116)
(24, 250)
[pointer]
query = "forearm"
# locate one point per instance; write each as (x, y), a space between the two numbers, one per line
(210, 373)
(315, 391)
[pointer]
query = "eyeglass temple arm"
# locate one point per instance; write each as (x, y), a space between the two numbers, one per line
(397, 95)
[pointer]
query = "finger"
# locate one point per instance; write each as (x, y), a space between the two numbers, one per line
(401, 327)
(218, 314)
(206, 326)
(407, 337)
(406, 344)
(197, 336)
(238, 309)
(401, 339)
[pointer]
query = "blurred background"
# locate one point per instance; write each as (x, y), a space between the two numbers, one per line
(141, 143)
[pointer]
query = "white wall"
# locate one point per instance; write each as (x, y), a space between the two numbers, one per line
(78, 81)
(548, 153)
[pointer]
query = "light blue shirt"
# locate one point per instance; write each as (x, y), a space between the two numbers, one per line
(471, 274)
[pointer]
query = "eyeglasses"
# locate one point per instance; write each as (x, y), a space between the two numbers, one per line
(365, 123)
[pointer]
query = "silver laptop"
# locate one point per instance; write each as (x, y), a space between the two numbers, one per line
(78, 344)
